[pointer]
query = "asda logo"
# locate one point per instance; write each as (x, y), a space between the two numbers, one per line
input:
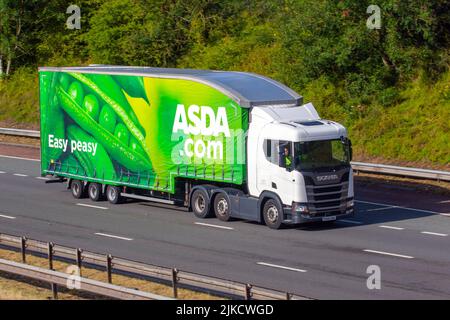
(202, 122)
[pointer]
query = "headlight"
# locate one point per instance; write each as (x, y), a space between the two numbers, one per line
(350, 203)
(299, 208)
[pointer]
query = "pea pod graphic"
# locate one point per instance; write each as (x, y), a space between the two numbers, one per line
(53, 119)
(116, 142)
(106, 84)
(98, 165)
(133, 86)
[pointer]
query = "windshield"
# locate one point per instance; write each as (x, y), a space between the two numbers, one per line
(323, 154)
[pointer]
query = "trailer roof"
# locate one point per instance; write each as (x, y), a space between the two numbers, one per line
(247, 89)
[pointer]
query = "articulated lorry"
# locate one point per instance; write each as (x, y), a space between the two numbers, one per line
(229, 144)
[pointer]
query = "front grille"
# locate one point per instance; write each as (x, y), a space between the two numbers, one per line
(327, 200)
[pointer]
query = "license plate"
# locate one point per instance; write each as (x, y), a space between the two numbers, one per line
(330, 218)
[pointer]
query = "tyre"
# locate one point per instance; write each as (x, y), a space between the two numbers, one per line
(95, 191)
(273, 214)
(77, 188)
(200, 204)
(113, 194)
(222, 207)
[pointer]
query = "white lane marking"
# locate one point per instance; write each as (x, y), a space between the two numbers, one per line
(7, 217)
(445, 201)
(2, 172)
(389, 254)
(400, 207)
(20, 175)
(112, 236)
(435, 233)
(213, 225)
(20, 158)
(280, 267)
(378, 209)
(42, 178)
(445, 214)
(91, 206)
(391, 227)
(349, 221)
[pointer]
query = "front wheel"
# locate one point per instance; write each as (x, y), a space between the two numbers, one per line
(273, 214)
(113, 194)
(222, 207)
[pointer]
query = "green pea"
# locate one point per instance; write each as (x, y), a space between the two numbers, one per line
(91, 106)
(122, 133)
(76, 92)
(135, 146)
(108, 118)
(64, 81)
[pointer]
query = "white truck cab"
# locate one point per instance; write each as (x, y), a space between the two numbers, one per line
(303, 160)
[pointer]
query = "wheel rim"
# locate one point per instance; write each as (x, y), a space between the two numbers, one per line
(93, 191)
(222, 207)
(112, 193)
(200, 203)
(76, 189)
(272, 214)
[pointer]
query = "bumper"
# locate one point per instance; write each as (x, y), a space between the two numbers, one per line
(303, 218)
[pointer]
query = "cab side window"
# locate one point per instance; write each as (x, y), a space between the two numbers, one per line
(270, 151)
(278, 152)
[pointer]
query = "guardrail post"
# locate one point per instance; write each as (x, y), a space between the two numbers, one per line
(248, 291)
(175, 282)
(55, 291)
(79, 259)
(23, 247)
(288, 296)
(50, 255)
(109, 267)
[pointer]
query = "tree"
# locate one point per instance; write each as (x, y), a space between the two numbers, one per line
(11, 20)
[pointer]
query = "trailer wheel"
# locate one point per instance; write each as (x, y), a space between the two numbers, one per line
(222, 207)
(200, 204)
(273, 214)
(77, 188)
(113, 194)
(95, 191)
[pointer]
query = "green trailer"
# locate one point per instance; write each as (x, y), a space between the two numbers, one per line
(138, 131)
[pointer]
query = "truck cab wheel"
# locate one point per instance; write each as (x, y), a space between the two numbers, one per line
(113, 194)
(273, 214)
(77, 188)
(95, 191)
(222, 207)
(200, 204)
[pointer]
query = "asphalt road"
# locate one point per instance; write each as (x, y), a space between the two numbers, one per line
(405, 233)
